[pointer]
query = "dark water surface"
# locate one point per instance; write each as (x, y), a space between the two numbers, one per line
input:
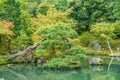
(33, 72)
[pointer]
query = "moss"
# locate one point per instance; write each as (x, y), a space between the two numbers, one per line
(3, 61)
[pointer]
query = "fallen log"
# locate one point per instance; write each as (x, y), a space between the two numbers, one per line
(27, 50)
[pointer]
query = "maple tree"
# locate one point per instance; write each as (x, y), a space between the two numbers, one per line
(53, 16)
(5, 35)
(104, 32)
(6, 28)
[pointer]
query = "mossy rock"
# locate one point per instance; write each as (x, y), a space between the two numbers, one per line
(96, 61)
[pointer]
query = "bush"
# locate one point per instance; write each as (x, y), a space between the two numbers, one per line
(117, 29)
(75, 50)
(71, 59)
(67, 63)
(86, 38)
(92, 53)
(77, 57)
(3, 61)
(55, 63)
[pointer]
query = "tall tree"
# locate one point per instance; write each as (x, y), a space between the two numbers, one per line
(104, 32)
(52, 17)
(10, 11)
(5, 34)
(88, 12)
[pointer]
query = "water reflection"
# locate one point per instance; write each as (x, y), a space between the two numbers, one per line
(32, 72)
(96, 68)
(18, 74)
(2, 79)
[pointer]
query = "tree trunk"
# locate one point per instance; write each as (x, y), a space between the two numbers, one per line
(66, 40)
(53, 51)
(0, 38)
(27, 50)
(108, 43)
(9, 45)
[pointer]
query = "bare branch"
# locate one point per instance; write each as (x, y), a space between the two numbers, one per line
(27, 50)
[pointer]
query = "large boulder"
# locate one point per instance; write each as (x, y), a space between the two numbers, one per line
(95, 61)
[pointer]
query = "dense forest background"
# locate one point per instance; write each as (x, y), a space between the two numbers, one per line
(67, 25)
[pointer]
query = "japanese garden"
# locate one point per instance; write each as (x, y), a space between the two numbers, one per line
(59, 39)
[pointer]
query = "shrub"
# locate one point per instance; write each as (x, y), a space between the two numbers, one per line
(71, 59)
(55, 63)
(86, 38)
(117, 29)
(75, 50)
(3, 61)
(77, 57)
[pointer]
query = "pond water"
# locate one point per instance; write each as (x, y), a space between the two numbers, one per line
(33, 72)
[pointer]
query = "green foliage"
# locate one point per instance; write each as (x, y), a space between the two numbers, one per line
(19, 19)
(5, 34)
(72, 59)
(103, 31)
(75, 50)
(23, 41)
(88, 12)
(57, 36)
(58, 31)
(67, 62)
(56, 63)
(42, 8)
(86, 38)
(25, 23)
(3, 61)
(96, 53)
(117, 28)
(10, 11)
(52, 17)
(116, 9)
(61, 5)
(77, 57)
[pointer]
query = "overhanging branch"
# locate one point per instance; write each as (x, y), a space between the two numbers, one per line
(27, 50)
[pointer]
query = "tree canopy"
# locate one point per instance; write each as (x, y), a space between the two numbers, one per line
(62, 26)
(56, 36)
(6, 28)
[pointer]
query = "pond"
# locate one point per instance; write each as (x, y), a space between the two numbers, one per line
(34, 72)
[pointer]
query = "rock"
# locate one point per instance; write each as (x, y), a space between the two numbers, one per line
(96, 61)
(29, 57)
(9, 65)
(96, 45)
(39, 61)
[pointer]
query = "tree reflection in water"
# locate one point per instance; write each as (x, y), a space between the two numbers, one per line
(32, 72)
